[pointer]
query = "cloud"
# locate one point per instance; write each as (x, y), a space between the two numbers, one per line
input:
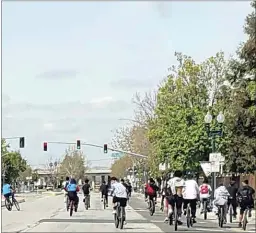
(133, 83)
(58, 74)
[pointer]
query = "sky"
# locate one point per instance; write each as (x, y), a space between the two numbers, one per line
(71, 69)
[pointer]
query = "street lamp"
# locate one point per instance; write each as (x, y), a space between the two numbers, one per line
(212, 134)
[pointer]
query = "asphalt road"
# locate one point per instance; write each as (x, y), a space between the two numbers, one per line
(48, 214)
(210, 225)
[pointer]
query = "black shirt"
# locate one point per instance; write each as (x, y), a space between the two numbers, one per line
(86, 189)
(104, 189)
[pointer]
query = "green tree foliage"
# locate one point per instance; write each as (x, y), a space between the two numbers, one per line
(12, 163)
(242, 115)
(73, 164)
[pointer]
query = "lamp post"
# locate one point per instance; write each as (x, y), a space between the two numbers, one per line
(213, 134)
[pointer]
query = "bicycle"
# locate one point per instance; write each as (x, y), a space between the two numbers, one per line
(104, 202)
(72, 206)
(244, 221)
(10, 202)
(205, 208)
(189, 217)
(221, 217)
(87, 201)
(151, 204)
(119, 216)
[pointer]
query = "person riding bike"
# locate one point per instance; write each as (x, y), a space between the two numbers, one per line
(119, 194)
(64, 188)
(221, 195)
(72, 189)
(104, 192)
(190, 195)
(205, 191)
(175, 187)
(129, 188)
(8, 191)
(245, 199)
(232, 189)
(86, 191)
(151, 190)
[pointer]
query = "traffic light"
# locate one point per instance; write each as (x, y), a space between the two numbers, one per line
(45, 146)
(105, 148)
(78, 144)
(22, 142)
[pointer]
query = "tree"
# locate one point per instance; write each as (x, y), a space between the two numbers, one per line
(12, 163)
(120, 166)
(73, 164)
(242, 108)
(26, 173)
(177, 131)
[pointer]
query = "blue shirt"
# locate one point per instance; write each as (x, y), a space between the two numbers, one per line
(71, 187)
(6, 189)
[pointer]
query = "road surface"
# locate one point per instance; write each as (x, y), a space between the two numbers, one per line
(48, 214)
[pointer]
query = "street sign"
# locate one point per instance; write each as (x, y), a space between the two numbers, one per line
(116, 155)
(207, 167)
(215, 166)
(216, 157)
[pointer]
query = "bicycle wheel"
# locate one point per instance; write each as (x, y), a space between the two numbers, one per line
(230, 213)
(104, 203)
(86, 202)
(16, 203)
(122, 214)
(188, 216)
(152, 208)
(67, 203)
(175, 217)
(205, 209)
(71, 208)
(244, 220)
(8, 204)
(117, 216)
(221, 217)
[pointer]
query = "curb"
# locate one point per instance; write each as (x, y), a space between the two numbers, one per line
(19, 201)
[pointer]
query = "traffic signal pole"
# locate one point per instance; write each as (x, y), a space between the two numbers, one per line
(102, 147)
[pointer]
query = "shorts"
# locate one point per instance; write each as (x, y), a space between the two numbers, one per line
(7, 195)
(121, 200)
(175, 199)
(244, 205)
(73, 196)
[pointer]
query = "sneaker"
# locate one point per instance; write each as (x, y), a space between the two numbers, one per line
(113, 212)
(106, 205)
(101, 200)
(194, 220)
(240, 225)
(125, 222)
(166, 219)
(179, 222)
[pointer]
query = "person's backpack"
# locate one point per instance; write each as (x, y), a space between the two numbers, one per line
(204, 189)
(150, 190)
(245, 194)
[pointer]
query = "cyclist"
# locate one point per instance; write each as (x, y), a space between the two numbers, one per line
(190, 195)
(245, 199)
(175, 186)
(8, 191)
(151, 190)
(129, 188)
(221, 195)
(64, 188)
(205, 191)
(86, 191)
(72, 189)
(104, 192)
(119, 194)
(232, 189)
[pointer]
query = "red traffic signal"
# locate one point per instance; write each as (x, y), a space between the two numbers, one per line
(45, 146)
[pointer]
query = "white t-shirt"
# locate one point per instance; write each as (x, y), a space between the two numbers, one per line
(191, 190)
(175, 182)
(119, 190)
(205, 195)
